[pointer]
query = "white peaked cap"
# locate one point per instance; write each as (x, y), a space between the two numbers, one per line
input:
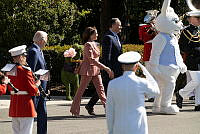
(130, 57)
(151, 14)
(193, 13)
(18, 50)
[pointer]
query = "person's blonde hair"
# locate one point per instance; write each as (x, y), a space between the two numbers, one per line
(39, 35)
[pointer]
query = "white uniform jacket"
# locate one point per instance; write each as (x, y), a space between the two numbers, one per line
(125, 107)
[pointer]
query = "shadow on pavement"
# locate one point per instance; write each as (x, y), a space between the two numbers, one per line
(5, 121)
(81, 117)
(187, 110)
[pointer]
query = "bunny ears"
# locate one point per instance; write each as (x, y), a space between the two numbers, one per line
(165, 6)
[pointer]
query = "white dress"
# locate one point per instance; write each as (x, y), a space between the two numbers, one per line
(125, 107)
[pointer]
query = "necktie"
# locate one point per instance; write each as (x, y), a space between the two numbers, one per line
(116, 36)
(42, 54)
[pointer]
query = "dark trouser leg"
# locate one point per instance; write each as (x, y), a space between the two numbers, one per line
(41, 116)
(93, 100)
(181, 81)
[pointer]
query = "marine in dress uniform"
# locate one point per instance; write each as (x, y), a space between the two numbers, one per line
(147, 32)
(125, 107)
(189, 43)
(22, 109)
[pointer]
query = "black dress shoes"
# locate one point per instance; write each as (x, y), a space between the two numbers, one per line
(179, 100)
(150, 100)
(197, 108)
(90, 110)
(192, 98)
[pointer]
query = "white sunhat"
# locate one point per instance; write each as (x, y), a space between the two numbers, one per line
(193, 13)
(130, 57)
(19, 50)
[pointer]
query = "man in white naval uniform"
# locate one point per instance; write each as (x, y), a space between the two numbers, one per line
(125, 107)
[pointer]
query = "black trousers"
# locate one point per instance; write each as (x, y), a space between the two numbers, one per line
(105, 80)
(181, 81)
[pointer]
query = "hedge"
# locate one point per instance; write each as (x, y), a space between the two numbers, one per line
(55, 59)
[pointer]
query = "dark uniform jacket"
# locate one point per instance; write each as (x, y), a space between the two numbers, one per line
(189, 43)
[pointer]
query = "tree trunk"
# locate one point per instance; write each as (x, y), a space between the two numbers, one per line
(109, 9)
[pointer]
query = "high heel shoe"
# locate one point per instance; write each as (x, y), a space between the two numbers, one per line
(75, 115)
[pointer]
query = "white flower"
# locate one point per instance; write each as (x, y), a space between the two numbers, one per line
(70, 53)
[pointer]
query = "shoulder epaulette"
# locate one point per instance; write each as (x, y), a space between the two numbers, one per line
(142, 24)
(190, 36)
(27, 68)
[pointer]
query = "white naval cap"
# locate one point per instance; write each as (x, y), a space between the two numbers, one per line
(130, 57)
(18, 50)
(151, 14)
(193, 13)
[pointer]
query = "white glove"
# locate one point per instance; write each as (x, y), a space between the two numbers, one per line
(38, 82)
(183, 68)
(6, 80)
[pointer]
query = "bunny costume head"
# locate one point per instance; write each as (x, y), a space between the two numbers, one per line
(168, 21)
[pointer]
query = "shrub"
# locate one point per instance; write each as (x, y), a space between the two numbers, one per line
(20, 19)
(55, 60)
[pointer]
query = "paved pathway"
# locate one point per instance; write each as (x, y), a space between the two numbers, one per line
(61, 122)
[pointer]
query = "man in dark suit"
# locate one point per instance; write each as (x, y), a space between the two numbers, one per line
(111, 49)
(36, 61)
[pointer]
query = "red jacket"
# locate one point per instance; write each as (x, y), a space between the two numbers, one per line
(145, 34)
(2, 89)
(22, 105)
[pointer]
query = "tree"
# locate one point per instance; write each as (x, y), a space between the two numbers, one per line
(132, 12)
(22, 18)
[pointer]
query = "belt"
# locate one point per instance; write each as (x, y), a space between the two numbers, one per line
(76, 60)
(19, 93)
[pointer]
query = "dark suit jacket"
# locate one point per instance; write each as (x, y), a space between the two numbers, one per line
(36, 61)
(111, 49)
